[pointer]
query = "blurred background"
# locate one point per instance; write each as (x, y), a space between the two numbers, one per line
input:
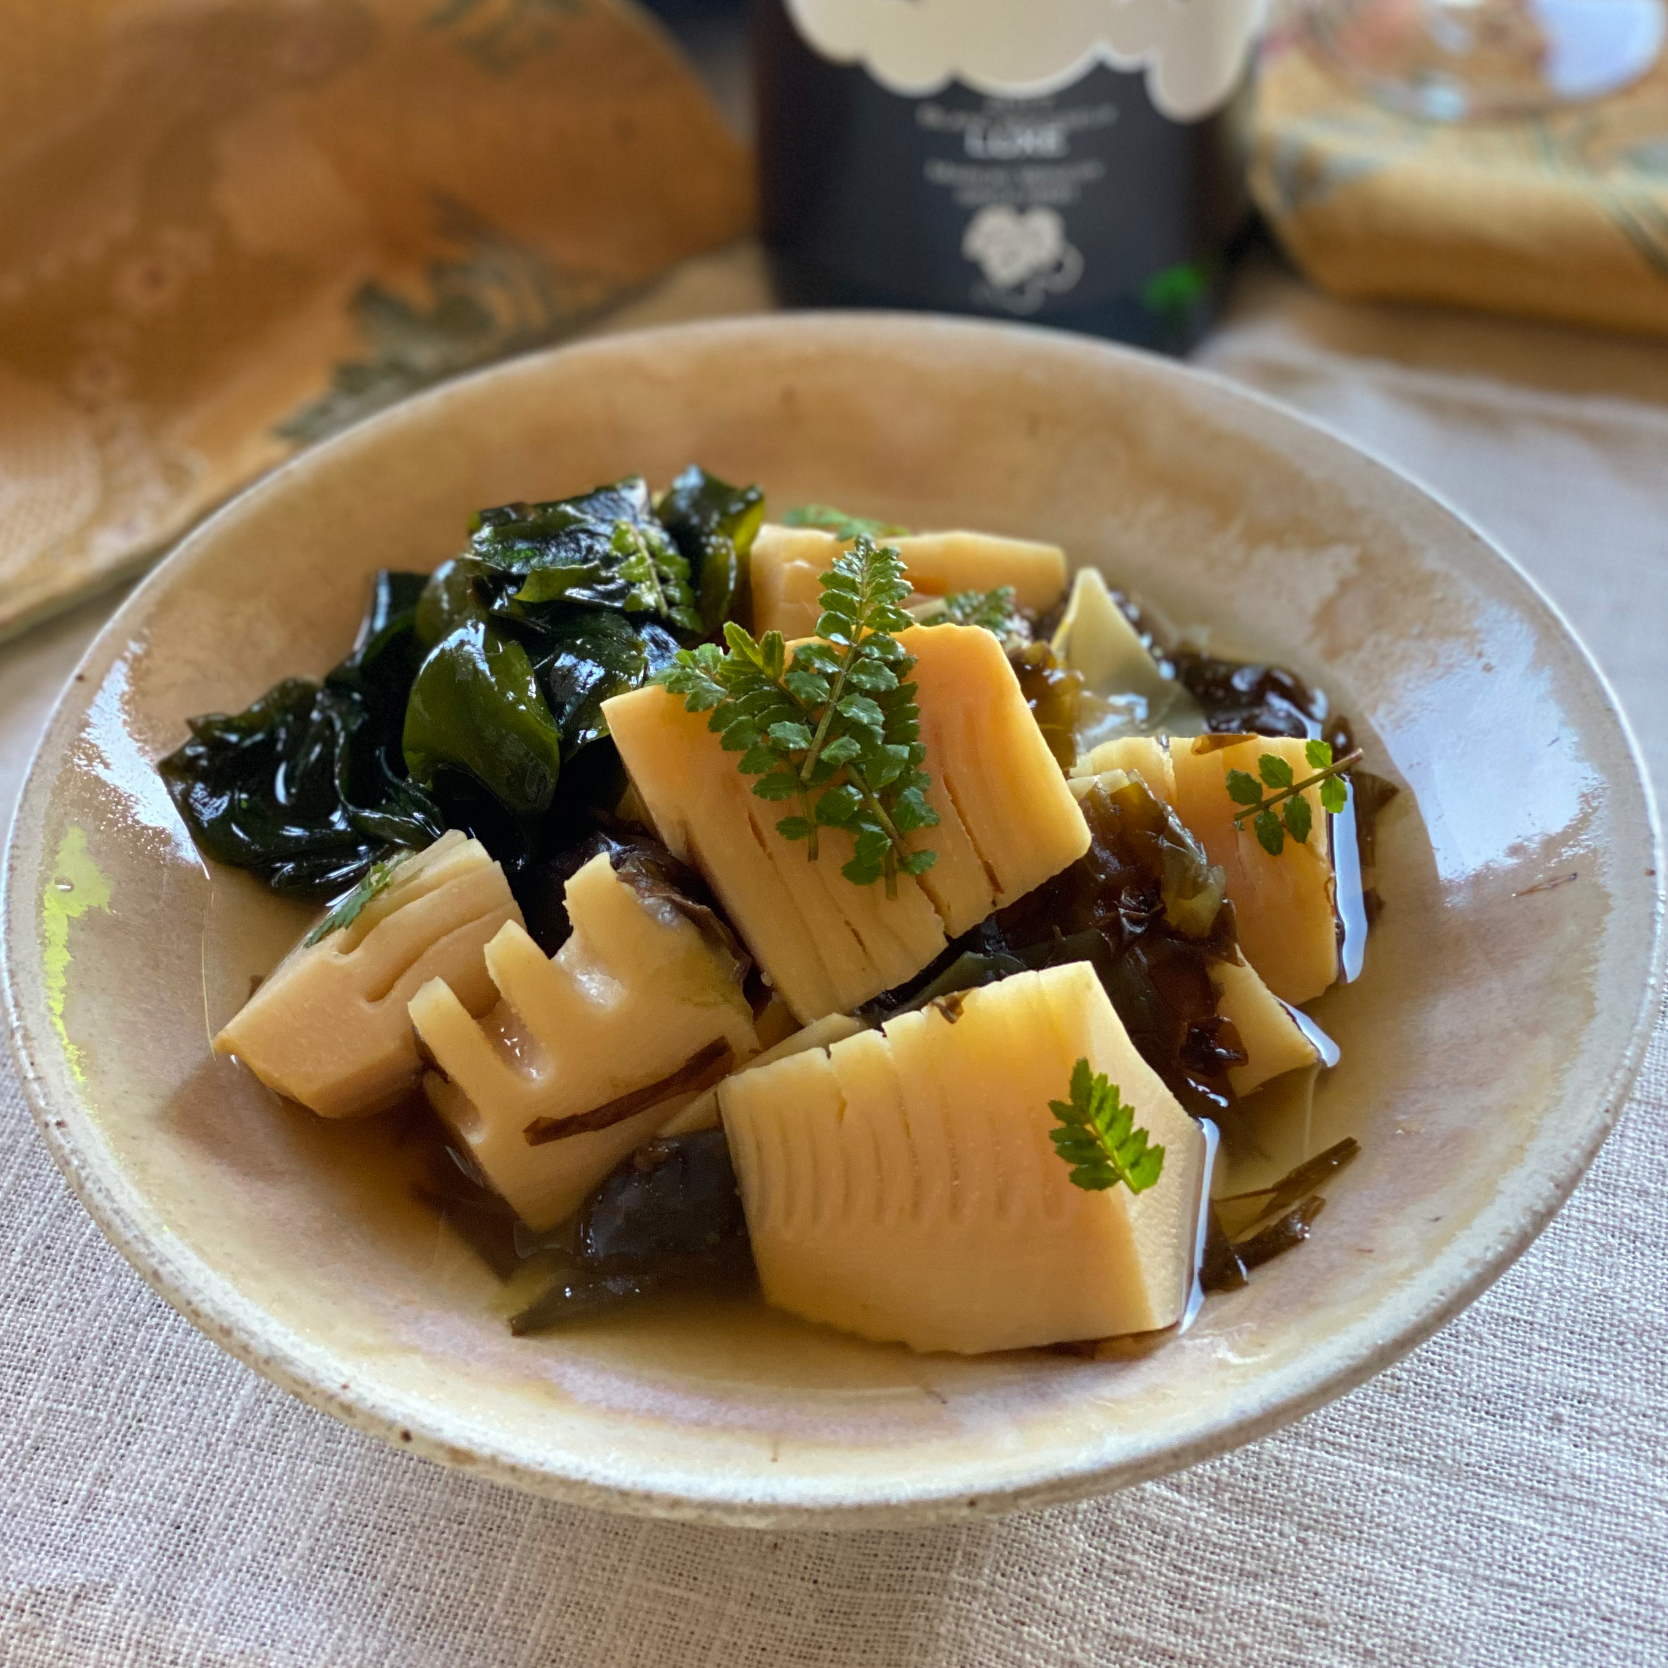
(230, 227)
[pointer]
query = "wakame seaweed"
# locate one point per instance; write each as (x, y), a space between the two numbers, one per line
(1227, 1261)
(556, 608)
(583, 656)
(546, 668)
(605, 547)
(307, 787)
(476, 707)
(473, 696)
(667, 1219)
(713, 525)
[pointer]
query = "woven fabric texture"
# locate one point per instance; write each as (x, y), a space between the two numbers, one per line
(229, 228)
(1496, 1500)
(1557, 216)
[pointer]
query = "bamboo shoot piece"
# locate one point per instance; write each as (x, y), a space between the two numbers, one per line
(902, 1185)
(1145, 756)
(1271, 1035)
(788, 564)
(703, 1113)
(1287, 921)
(589, 1052)
(329, 1026)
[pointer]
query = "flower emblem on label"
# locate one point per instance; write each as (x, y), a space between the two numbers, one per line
(1022, 255)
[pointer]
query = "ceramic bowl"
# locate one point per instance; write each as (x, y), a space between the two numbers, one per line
(1487, 1049)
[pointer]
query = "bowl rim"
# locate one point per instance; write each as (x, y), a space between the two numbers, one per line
(192, 1287)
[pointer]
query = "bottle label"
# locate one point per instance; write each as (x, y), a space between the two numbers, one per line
(1193, 52)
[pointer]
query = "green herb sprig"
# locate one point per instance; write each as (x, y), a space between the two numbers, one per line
(995, 611)
(846, 528)
(837, 732)
(1296, 819)
(347, 909)
(1098, 1137)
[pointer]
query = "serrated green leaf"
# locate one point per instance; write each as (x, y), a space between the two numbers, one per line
(886, 765)
(1243, 788)
(809, 688)
(1319, 755)
(1098, 1139)
(818, 657)
(780, 784)
(872, 675)
(1270, 836)
(1334, 795)
(861, 709)
(1274, 770)
(838, 808)
(1298, 818)
(839, 727)
(911, 812)
(347, 910)
(795, 737)
(995, 611)
(738, 735)
(794, 828)
(743, 649)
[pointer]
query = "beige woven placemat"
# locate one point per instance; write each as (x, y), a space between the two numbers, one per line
(1496, 1501)
(230, 227)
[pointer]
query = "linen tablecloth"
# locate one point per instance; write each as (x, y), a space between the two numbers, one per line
(1497, 1499)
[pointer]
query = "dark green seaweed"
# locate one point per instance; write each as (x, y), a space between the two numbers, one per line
(668, 1219)
(583, 656)
(307, 787)
(605, 547)
(1279, 1236)
(1220, 1270)
(713, 525)
(476, 707)
(1052, 692)
(1297, 1183)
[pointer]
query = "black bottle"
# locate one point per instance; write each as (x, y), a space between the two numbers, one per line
(988, 156)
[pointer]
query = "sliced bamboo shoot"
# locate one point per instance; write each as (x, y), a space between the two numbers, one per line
(588, 1052)
(1274, 1042)
(902, 1184)
(993, 778)
(1095, 638)
(702, 1112)
(329, 1026)
(1287, 923)
(788, 563)
(1145, 756)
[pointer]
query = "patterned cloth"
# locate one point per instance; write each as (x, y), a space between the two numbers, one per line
(1563, 218)
(230, 227)
(1495, 1501)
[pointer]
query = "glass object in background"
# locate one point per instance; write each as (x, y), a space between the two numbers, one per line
(1058, 161)
(1451, 60)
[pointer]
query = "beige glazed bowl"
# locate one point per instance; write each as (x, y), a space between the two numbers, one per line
(1487, 1049)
